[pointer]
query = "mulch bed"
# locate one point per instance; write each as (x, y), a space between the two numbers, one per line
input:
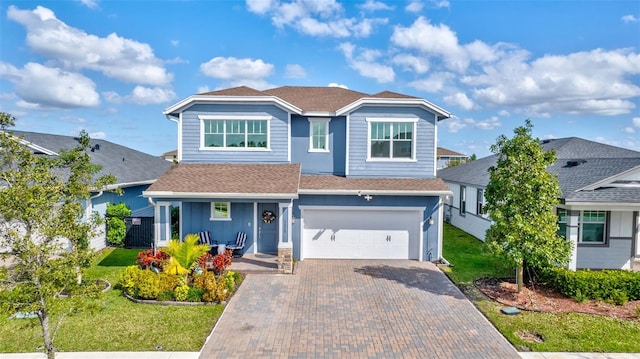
(543, 299)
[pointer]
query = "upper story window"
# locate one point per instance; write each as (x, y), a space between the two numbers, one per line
(319, 135)
(235, 132)
(392, 139)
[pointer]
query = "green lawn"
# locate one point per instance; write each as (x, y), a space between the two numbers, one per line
(570, 332)
(113, 323)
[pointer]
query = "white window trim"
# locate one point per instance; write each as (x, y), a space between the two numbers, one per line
(203, 118)
(581, 232)
(212, 216)
(414, 138)
(326, 134)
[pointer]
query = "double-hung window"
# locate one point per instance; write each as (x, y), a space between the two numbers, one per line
(235, 132)
(319, 135)
(591, 226)
(479, 202)
(392, 139)
(463, 200)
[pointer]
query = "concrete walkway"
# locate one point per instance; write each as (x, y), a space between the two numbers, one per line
(354, 309)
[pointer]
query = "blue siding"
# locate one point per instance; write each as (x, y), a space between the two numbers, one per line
(195, 218)
(425, 144)
(332, 162)
(132, 196)
(430, 235)
(279, 135)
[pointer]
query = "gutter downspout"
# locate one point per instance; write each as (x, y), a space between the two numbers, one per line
(178, 150)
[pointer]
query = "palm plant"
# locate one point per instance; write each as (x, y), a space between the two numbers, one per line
(184, 254)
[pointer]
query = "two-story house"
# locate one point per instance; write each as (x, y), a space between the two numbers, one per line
(312, 172)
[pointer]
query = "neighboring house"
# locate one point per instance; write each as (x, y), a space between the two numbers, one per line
(446, 157)
(308, 172)
(171, 155)
(134, 172)
(599, 207)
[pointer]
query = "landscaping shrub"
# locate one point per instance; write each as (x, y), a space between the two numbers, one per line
(147, 258)
(116, 228)
(146, 284)
(615, 286)
(181, 292)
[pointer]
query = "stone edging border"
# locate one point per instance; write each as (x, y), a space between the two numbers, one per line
(168, 302)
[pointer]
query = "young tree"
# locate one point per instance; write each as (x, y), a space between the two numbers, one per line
(42, 226)
(520, 200)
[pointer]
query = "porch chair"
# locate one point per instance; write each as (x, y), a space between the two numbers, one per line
(205, 238)
(238, 245)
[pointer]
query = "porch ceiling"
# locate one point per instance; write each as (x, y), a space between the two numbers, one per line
(228, 181)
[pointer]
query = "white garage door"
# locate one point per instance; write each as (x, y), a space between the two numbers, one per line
(358, 233)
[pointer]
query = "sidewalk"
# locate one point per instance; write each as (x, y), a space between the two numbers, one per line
(106, 355)
(195, 355)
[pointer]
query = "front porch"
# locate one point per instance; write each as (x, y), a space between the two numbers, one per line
(255, 263)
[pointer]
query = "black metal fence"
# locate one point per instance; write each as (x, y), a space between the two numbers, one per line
(139, 232)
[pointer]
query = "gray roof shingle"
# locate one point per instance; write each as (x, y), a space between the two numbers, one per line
(597, 162)
(128, 165)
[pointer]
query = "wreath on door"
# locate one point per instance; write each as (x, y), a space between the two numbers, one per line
(268, 216)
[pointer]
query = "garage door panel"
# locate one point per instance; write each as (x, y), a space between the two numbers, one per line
(365, 234)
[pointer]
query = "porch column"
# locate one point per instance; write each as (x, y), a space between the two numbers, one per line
(162, 227)
(573, 218)
(285, 246)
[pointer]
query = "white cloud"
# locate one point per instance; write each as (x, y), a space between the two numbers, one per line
(92, 4)
(438, 4)
(46, 87)
(435, 82)
(333, 84)
(365, 63)
(629, 129)
(589, 82)
(203, 89)
(112, 96)
(454, 124)
(460, 99)
(294, 71)
(322, 18)
(417, 64)
(98, 135)
(73, 49)
(432, 40)
(373, 5)
(175, 42)
(630, 18)
(231, 68)
(145, 96)
(636, 122)
(414, 6)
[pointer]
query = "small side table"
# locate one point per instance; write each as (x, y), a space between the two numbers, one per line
(221, 248)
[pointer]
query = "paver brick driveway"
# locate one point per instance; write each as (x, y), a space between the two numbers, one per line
(354, 309)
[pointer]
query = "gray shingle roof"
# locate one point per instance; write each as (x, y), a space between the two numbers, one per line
(128, 165)
(597, 162)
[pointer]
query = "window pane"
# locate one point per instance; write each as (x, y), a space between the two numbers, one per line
(213, 140)
(401, 149)
(257, 141)
(221, 210)
(562, 230)
(319, 135)
(380, 149)
(257, 134)
(380, 130)
(403, 131)
(593, 233)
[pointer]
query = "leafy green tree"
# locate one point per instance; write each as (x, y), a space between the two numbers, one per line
(116, 228)
(42, 226)
(520, 200)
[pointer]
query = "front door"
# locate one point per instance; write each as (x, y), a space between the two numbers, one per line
(268, 228)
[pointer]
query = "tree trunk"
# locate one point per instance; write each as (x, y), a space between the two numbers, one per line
(519, 276)
(46, 331)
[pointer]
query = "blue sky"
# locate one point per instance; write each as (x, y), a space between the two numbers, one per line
(112, 67)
